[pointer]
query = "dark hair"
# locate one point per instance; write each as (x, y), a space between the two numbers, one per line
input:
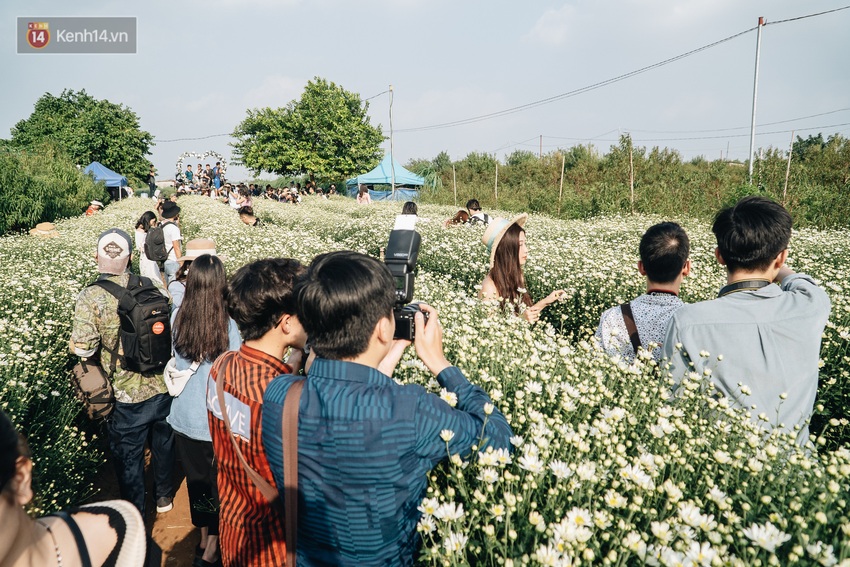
(461, 217)
(183, 271)
(341, 299)
(12, 446)
(409, 208)
(362, 189)
(200, 328)
(752, 233)
(507, 271)
(260, 293)
(664, 249)
(9, 450)
(144, 221)
(473, 205)
(246, 211)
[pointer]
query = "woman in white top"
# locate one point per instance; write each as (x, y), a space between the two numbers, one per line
(505, 282)
(147, 267)
(94, 535)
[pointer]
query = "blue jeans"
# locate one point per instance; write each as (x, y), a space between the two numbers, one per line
(170, 268)
(129, 427)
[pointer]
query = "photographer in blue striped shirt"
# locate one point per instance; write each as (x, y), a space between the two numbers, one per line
(366, 443)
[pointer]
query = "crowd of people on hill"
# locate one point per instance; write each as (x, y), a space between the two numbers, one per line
(294, 439)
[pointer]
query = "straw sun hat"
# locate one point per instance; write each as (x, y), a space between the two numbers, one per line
(496, 230)
(197, 247)
(44, 229)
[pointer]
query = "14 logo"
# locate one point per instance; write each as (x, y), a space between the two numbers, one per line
(38, 35)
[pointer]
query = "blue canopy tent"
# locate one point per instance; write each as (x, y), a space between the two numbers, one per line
(405, 180)
(111, 179)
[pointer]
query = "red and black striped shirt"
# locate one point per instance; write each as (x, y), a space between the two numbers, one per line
(250, 529)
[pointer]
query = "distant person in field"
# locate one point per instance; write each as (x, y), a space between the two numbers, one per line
(246, 215)
(461, 217)
(94, 208)
(505, 282)
(147, 267)
(216, 175)
(642, 322)
(189, 176)
(173, 238)
(767, 321)
(476, 215)
(152, 180)
(363, 197)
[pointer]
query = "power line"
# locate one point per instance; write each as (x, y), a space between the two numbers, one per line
(807, 16)
(190, 139)
(606, 82)
(575, 92)
(738, 127)
(377, 95)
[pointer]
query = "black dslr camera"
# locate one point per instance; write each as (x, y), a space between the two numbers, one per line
(400, 257)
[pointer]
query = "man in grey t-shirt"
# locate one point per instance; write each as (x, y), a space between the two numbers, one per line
(767, 321)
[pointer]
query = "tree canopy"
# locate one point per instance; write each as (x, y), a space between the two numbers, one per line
(87, 130)
(325, 134)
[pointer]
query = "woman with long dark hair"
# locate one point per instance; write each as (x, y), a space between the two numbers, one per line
(201, 331)
(506, 241)
(147, 267)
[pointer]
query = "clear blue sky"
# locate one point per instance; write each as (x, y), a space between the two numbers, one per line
(200, 65)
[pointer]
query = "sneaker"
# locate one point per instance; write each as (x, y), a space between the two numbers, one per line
(164, 504)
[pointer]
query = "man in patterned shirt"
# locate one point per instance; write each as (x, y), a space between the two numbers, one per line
(142, 400)
(365, 443)
(664, 250)
(260, 300)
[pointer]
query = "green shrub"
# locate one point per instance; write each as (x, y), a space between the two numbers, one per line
(41, 186)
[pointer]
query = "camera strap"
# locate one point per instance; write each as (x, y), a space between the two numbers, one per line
(631, 327)
(743, 285)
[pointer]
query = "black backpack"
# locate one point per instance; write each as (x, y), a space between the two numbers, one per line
(155, 248)
(145, 332)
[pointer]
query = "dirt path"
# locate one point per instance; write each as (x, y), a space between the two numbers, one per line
(173, 531)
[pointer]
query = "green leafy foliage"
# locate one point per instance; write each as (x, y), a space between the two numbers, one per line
(41, 185)
(818, 192)
(326, 134)
(87, 130)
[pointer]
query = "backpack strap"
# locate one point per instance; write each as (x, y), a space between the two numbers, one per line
(289, 437)
(268, 491)
(118, 293)
(629, 320)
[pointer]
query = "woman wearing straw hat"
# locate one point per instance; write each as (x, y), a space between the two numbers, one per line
(505, 240)
(194, 248)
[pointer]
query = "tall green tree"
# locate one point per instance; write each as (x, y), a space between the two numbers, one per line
(87, 129)
(326, 134)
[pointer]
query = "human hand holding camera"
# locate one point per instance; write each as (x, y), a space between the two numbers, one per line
(429, 340)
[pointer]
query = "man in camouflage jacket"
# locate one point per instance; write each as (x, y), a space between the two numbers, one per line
(142, 401)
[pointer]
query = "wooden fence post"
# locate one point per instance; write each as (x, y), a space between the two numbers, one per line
(788, 172)
(561, 190)
(454, 183)
(496, 188)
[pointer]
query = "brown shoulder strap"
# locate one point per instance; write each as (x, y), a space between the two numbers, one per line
(629, 320)
(269, 492)
(289, 437)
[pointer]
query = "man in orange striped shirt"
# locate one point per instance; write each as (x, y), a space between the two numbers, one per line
(260, 300)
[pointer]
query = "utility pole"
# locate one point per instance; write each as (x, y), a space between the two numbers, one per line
(540, 153)
(392, 159)
(755, 98)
